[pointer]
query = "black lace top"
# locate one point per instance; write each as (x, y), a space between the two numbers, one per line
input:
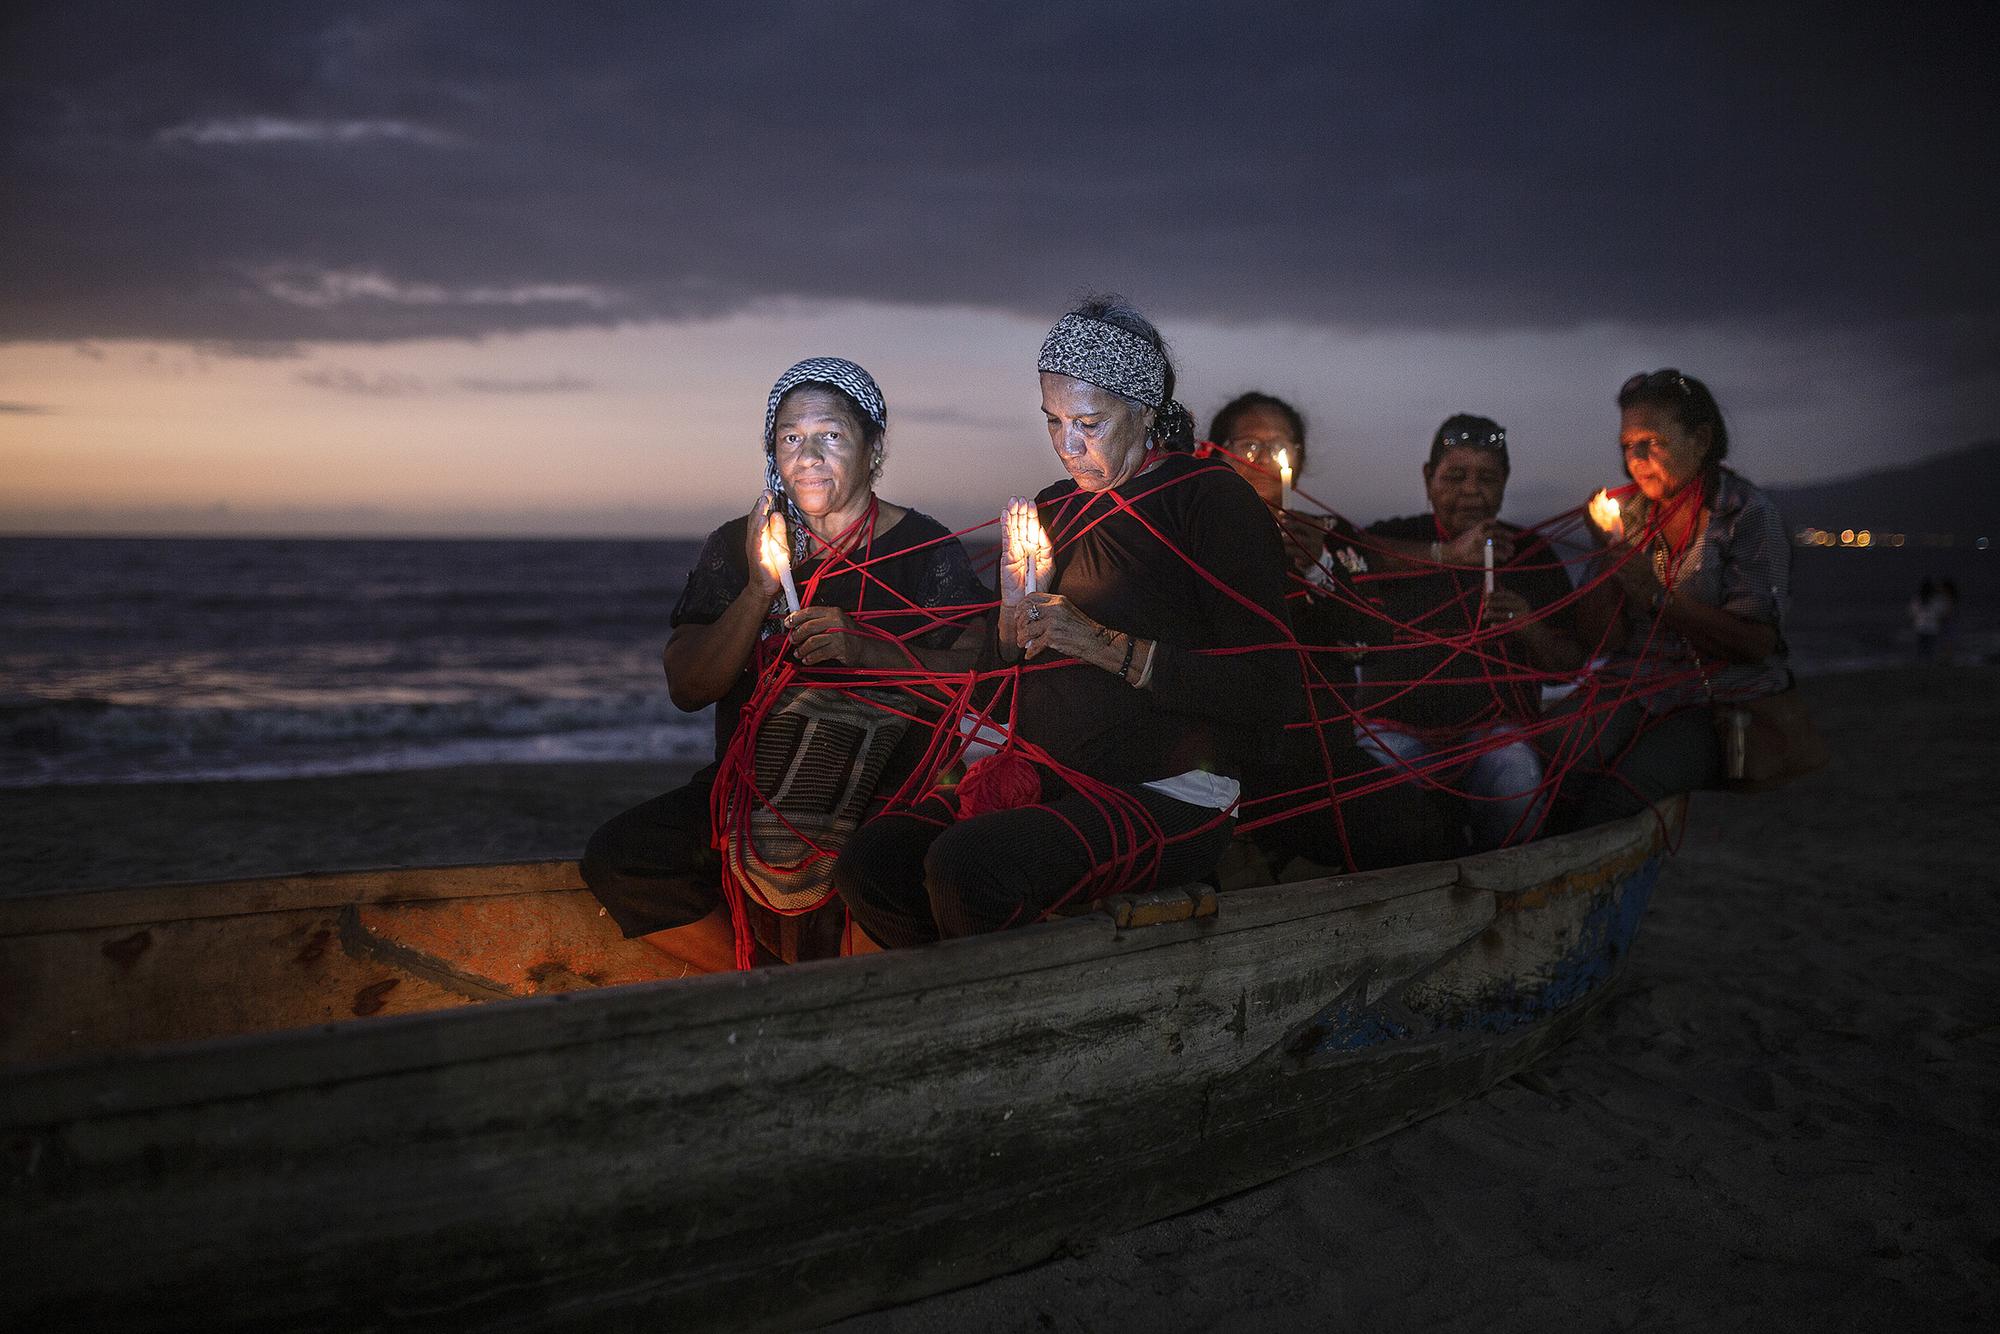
(915, 564)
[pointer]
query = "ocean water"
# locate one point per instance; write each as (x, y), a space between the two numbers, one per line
(134, 660)
(128, 660)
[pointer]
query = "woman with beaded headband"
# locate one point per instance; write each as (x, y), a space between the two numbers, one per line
(877, 566)
(1149, 658)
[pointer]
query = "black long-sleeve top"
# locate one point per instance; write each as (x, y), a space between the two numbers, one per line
(1216, 711)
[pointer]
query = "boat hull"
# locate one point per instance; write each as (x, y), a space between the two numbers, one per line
(784, 1147)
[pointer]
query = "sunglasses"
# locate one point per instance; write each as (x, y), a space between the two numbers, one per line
(1667, 378)
(1476, 439)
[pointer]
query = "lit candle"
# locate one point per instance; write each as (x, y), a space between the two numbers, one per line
(1022, 530)
(776, 549)
(1032, 543)
(1489, 567)
(1604, 514)
(1284, 479)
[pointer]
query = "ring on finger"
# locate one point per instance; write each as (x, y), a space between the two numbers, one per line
(1034, 611)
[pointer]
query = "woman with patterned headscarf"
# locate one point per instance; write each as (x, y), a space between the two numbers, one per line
(1143, 599)
(867, 569)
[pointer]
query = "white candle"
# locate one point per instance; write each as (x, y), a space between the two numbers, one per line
(777, 552)
(1284, 479)
(1489, 567)
(1028, 543)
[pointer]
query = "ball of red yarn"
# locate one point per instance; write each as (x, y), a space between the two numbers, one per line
(1002, 781)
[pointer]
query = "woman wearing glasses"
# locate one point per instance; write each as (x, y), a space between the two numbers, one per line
(1315, 795)
(1264, 438)
(1704, 563)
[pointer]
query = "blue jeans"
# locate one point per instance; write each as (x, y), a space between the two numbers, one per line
(1502, 785)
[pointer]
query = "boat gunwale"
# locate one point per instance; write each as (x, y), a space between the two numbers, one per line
(238, 1066)
(107, 907)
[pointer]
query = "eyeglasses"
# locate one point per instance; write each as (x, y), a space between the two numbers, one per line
(1255, 451)
(1666, 378)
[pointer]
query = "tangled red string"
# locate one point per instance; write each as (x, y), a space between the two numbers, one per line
(942, 703)
(1003, 781)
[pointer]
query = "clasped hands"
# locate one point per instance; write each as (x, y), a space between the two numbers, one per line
(1032, 622)
(1624, 553)
(1625, 560)
(819, 636)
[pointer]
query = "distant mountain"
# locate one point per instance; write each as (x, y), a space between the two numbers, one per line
(1956, 493)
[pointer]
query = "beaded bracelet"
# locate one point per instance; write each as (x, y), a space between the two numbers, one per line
(1126, 666)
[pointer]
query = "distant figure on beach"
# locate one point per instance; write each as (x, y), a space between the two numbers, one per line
(1927, 617)
(654, 867)
(1311, 769)
(1128, 738)
(1703, 560)
(1458, 715)
(1948, 620)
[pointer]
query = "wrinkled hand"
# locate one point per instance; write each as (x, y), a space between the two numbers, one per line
(1469, 547)
(1632, 568)
(1610, 533)
(1507, 608)
(1304, 537)
(827, 635)
(1052, 622)
(762, 581)
(1022, 541)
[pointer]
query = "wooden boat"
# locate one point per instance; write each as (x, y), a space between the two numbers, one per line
(286, 1104)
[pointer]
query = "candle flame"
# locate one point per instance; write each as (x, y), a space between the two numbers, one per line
(775, 557)
(775, 547)
(1285, 464)
(1604, 513)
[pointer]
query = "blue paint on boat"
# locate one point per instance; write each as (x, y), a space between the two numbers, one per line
(1353, 1025)
(1603, 938)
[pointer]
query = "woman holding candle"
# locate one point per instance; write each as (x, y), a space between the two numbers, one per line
(864, 570)
(1136, 704)
(1300, 796)
(1263, 438)
(1704, 561)
(1478, 609)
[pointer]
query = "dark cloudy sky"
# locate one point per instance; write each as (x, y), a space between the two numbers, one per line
(530, 267)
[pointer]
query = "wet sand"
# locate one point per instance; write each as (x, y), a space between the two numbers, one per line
(1790, 1117)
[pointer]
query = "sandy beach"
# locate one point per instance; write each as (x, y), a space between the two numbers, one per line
(1789, 1118)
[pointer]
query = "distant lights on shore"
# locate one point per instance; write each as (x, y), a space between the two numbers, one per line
(1857, 539)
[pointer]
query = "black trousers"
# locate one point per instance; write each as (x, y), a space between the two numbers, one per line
(915, 876)
(1396, 826)
(652, 867)
(1615, 775)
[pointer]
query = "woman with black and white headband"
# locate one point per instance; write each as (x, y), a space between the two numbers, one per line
(1129, 619)
(880, 567)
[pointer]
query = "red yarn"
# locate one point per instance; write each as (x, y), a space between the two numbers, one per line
(1003, 781)
(942, 701)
